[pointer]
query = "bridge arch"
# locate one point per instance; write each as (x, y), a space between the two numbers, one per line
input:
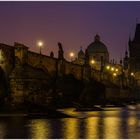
(3, 85)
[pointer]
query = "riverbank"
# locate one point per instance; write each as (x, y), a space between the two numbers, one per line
(31, 111)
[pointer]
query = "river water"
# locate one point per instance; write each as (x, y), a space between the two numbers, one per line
(118, 123)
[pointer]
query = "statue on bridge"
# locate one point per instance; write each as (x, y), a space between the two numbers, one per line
(86, 57)
(60, 52)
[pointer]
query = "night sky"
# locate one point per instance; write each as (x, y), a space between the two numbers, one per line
(74, 24)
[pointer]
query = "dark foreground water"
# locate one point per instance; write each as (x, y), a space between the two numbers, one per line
(111, 123)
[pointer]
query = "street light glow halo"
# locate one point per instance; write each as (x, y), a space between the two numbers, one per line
(71, 54)
(108, 67)
(40, 44)
(92, 61)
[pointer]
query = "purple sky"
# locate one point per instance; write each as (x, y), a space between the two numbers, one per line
(73, 23)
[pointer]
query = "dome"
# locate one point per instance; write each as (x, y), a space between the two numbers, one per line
(97, 46)
(81, 54)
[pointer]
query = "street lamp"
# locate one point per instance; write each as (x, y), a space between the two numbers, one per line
(112, 69)
(92, 62)
(71, 55)
(40, 45)
(116, 70)
(132, 74)
(114, 74)
(107, 67)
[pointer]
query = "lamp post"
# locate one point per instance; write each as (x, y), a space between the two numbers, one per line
(71, 55)
(107, 67)
(40, 45)
(132, 76)
(92, 63)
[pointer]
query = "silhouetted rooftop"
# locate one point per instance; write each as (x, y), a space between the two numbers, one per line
(97, 46)
(137, 34)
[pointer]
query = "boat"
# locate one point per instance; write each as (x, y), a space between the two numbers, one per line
(95, 108)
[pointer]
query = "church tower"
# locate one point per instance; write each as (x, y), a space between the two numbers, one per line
(134, 51)
(126, 61)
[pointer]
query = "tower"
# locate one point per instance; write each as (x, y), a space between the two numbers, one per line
(134, 51)
(99, 52)
(126, 61)
(81, 57)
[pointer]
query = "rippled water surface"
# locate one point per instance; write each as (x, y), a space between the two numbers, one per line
(111, 123)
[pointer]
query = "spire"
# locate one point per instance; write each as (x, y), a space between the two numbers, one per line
(126, 54)
(97, 38)
(130, 38)
(121, 59)
(137, 33)
(81, 54)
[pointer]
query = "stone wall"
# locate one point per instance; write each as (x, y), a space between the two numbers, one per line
(54, 64)
(30, 74)
(7, 58)
(27, 81)
(47, 62)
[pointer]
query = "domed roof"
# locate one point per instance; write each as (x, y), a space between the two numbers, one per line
(81, 54)
(97, 46)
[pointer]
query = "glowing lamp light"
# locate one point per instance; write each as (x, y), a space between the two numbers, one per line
(40, 44)
(116, 70)
(71, 54)
(112, 69)
(114, 74)
(107, 67)
(92, 61)
(132, 74)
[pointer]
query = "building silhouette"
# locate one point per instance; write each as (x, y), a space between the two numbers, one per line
(97, 52)
(28, 73)
(134, 51)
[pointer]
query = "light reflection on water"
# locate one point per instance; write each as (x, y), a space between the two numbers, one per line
(112, 123)
(39, 129)
(70, 128)
(91, 128)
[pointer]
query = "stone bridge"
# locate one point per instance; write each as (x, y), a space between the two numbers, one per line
(28, 73)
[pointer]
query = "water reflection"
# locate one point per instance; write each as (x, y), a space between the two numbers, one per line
(13, 127)
(119, 123)
(70, 128)
(56, 128)
(2, 130)
(112, 128)
(91, 128)
(40, 129)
